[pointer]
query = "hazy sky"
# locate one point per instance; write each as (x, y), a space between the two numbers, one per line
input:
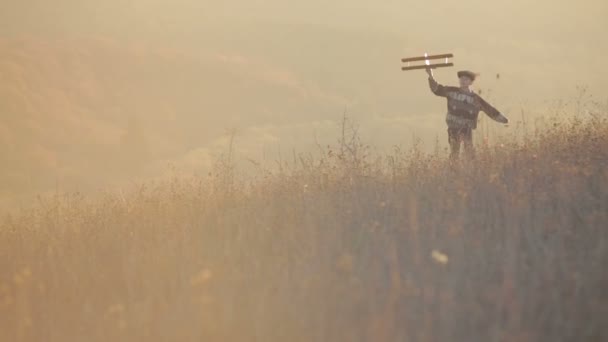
(84, 81)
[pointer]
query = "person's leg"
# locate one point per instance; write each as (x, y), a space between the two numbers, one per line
(467, 138)
(454, 140)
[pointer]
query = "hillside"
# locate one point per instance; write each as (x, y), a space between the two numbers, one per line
(81, 113)
(342, 245)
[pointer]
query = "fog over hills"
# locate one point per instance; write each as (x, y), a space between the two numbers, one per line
(94, 93)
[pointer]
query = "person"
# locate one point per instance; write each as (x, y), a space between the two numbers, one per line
(464, 106)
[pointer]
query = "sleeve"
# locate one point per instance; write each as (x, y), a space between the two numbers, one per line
(491, 111)
(437, 88)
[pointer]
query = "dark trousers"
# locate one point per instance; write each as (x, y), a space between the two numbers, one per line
(456, 136)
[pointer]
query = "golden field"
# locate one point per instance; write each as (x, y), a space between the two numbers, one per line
(337, 245)
(127, 213)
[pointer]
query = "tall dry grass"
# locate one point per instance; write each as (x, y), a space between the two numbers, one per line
(338, 246)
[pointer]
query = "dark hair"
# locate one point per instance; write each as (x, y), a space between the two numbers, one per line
(467, 73)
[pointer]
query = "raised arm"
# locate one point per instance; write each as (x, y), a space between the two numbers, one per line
(491, 111)
(436, 88)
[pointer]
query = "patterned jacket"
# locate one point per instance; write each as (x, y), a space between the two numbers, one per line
(464, 107)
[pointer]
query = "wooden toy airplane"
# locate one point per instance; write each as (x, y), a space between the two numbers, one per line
(427, 62)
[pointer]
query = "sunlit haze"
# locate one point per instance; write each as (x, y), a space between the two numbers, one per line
(88, 85)
(264, 170)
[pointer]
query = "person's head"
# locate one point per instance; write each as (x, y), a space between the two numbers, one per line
(466, 78)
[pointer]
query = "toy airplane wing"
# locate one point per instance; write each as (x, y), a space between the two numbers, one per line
(445, 62)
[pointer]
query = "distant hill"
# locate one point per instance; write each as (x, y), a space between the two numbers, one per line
(81, 111)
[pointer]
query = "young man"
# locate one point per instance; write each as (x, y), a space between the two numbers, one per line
(463, 109)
